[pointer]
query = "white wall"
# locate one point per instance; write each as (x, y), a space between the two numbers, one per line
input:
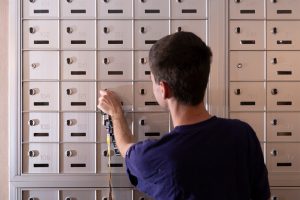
(4, 100)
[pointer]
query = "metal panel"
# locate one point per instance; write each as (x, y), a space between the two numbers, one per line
(78, 9)
(283, 66)
(78, 158)
(283, 127)
(247, 96)
(78, 127)
(40, 158)
(247, 35)
(78, 34)
(40, 96)
(40, 127)
(247, 66)
(116, 9)
(188, 9)
(112, 35)
(115, 66)
(40, 65)
(247, 9)
(40, 34)
(147, 32)
(77, 96)
(282, 35)
(283, 96)
(141, 66)
(278, 9)
(151, 9)
(78, 65)
(40, 9)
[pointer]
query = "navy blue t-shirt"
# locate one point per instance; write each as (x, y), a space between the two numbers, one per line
(217, 159)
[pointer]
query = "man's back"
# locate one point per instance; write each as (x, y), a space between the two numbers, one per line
(214, 159)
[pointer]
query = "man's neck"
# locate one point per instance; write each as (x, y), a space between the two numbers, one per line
(185, 115)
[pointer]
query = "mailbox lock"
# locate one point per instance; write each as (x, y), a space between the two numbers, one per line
(69, 1)
(274, 152)
(34, 65)
(105, 30)
(142, 122)
(69, 153)
(179, 1)
(239, 65)
(106, 1)
(142, 92)
(31, 1)
(237, 91)
(143, 60)
(237, 30)
(274, 30)
(69, 30)
(179, 29)
(31, 154)
(32, 91)
(105, 153)
(69, 61)
(31, 198)
(274, 91)
(32, 30)
(106, 61)
(274, 198)
(237, 1)
(143, 1)
(143, 30)
(274, 122)
(274, 61)
(68, 198)
(69, 91)
(142, 198)
(274, 1)
(69, 122)
(31, 122)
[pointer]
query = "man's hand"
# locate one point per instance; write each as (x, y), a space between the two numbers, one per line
(110, 103)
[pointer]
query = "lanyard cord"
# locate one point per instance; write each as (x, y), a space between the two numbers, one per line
(109, 128)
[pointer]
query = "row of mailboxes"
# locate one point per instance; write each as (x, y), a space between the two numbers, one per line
(82, 194)
(261, 66)
(261, 9)
(81, 96)
(115, 9)
(261, 35)
(103, 34)
(92, 158)
(261, 96)
(272, 126)
(277, 193)
(89, 127)
(81, 65)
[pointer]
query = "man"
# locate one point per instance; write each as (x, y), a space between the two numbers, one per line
(204, 157)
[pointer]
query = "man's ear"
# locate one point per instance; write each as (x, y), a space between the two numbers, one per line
(165, 89)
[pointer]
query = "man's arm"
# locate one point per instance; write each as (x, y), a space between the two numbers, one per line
(109, 103)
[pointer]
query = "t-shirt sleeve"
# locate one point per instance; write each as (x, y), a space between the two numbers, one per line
(260, 189)
(138, 161)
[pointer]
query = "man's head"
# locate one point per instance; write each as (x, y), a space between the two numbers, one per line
(182, 61)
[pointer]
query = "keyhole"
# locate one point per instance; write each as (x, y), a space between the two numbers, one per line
(69, 122)
(31, 1)
(69, 91)
(31, 154)
(105, 30)
(69, 1)
(32, 30)
(31, 122)
(69, 61)
(143, 30)
(274, 122)
(274, 61)
(274, 91)
(239, 65)
(237, 91)
(238, 30)
(274, 30)
(106, 61)
(143, 61)
(69, 153)
(274, 153)
(142, 92)
(179, 29)
(142, 122)
(32, 92)
(69, 30)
